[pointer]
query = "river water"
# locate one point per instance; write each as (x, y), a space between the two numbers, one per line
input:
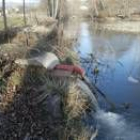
(112, 62)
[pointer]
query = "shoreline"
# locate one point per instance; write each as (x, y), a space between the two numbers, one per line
(117, 25)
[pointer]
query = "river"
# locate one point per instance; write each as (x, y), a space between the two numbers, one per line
(114, 67)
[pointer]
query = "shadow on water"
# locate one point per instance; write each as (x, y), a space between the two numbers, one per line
(114, 66)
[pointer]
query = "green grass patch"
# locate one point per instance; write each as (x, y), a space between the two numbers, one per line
(15, 22)
(12, 22)
(1, 24)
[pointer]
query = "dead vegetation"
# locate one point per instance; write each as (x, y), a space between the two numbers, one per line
(35, 105)
(48, 107)
(115, 8)
(75, 102)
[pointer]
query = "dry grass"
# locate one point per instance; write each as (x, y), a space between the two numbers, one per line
(39, 86)
(25, 39)
(85, 134)
(75, 102)
(13, 21)
(27, 105)
(11, 86)
(112, 8)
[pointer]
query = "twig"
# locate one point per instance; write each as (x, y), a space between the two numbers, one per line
(96, 90)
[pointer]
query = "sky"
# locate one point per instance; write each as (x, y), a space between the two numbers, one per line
(10, 3)
(20, 1)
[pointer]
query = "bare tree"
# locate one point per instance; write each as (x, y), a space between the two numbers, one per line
(24, 12)
(126, 8)
(52, 7)
(61, 24)
(94, 2)
(56, 8)
(4, 15)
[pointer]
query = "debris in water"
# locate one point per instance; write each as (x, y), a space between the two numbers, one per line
(96, 70)
(133, 80)
(126, 105)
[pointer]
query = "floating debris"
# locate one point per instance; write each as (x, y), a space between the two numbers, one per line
(133, 80)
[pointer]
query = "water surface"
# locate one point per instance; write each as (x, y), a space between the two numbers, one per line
(115, 69)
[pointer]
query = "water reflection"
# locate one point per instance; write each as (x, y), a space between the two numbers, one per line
(116, 56)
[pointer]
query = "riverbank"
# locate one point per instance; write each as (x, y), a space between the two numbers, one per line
(115, 24)
(35, 104)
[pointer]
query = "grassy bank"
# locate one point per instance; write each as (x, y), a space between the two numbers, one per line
(35, 104)
(13, 21)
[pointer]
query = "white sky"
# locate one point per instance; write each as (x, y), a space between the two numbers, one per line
(20, 1)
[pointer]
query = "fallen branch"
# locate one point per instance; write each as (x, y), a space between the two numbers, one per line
(96, 90)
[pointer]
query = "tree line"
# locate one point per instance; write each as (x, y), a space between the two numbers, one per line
(52, 7)
(5, 16)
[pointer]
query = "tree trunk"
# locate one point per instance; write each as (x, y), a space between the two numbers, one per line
(24, 12)
(95, 7)
(56, 8)
(61, 23)
(50, 7)
(4, 15)
(53, 7)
